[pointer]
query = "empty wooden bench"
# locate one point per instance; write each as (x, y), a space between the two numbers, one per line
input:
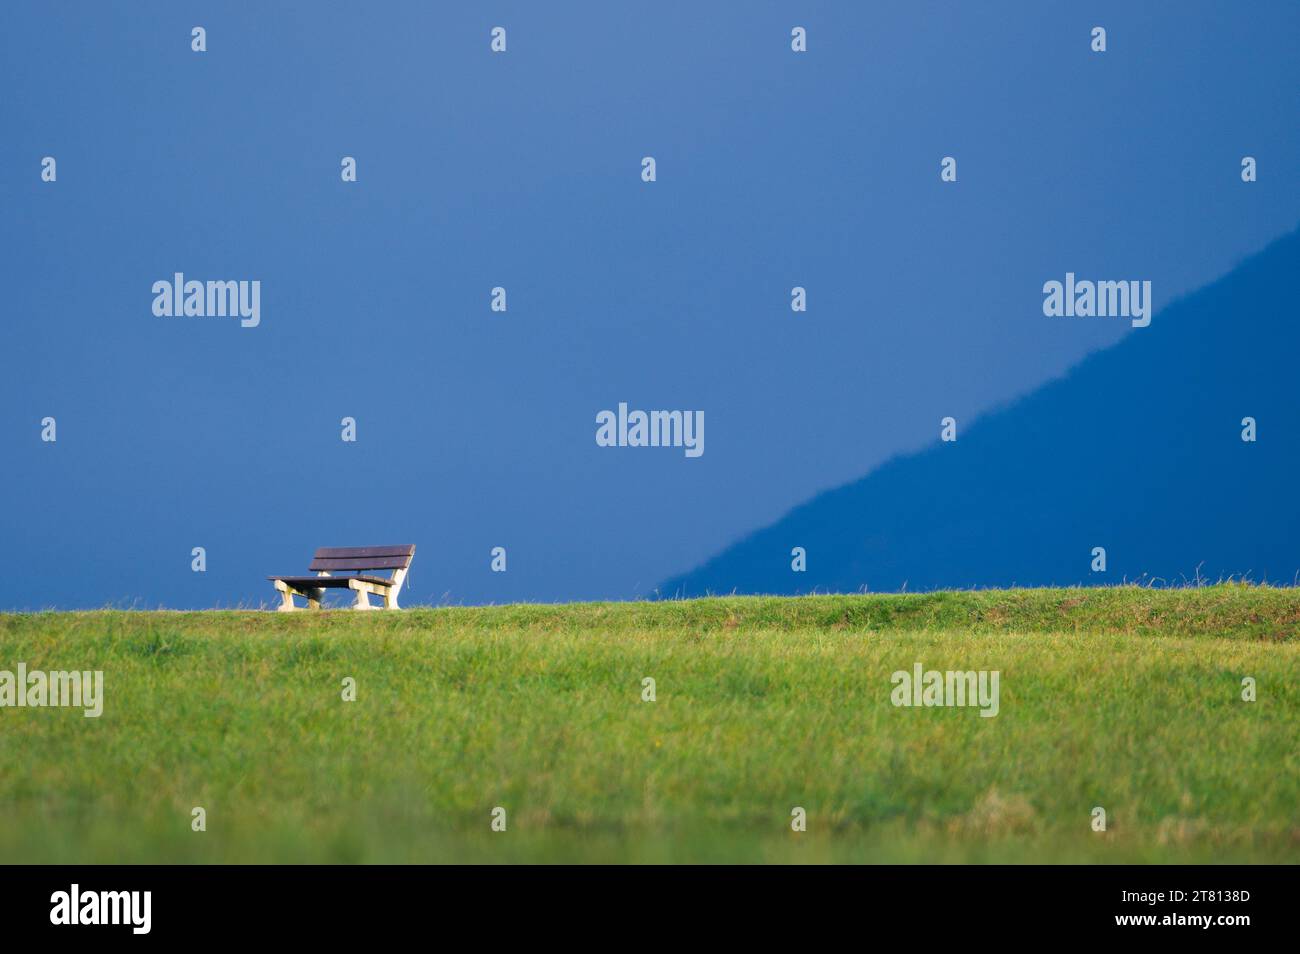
(350, 562)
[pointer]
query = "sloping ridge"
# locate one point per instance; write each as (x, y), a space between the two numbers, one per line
(1138, 450)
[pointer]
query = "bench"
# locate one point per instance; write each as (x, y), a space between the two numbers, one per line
(350, 561)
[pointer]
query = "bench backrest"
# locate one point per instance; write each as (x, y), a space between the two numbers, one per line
(330, 559)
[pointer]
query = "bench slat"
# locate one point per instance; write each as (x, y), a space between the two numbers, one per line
(327, 582)
(362, 563)
(347, 553)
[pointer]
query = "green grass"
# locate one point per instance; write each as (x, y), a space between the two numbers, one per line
(1124, 698)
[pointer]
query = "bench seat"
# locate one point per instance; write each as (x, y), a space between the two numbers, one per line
(327, 582)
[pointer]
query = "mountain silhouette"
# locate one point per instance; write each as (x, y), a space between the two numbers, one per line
(1138, 449)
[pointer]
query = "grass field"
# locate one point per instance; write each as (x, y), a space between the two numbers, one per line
(1129, 699)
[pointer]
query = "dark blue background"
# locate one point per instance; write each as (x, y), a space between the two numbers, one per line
(477, 429)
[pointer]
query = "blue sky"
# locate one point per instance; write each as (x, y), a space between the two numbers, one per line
(522, 169)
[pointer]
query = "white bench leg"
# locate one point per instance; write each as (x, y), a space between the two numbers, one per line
(286, 598)
(363, 599)
(390, 595)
